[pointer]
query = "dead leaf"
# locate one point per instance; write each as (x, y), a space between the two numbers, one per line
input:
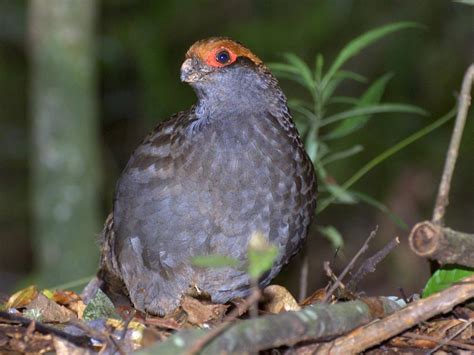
(64, 347)
(200, 312)
(317, 296)
(278, 299)
(162, 322)
(23, 297)
(50, 310)
(71, 300)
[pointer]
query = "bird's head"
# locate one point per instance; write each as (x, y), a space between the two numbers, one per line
(214, 57)
(220, 69)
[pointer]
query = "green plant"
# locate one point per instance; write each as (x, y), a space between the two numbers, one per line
(327, 117)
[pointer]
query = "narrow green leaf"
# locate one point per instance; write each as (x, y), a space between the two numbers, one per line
(283, 67)
(318, 70)
(364, 40)
(302, 68)
(333, 235)
(340, 194)
(338, 78)
(295, 77)
(214, 261)
(445, 277)
(387, 154)
(302, 109)
(342, 154)
(371, 96)
(387, 107)
(381, 207)
(347, 74)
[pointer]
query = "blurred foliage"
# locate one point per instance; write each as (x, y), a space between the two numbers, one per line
(140, 48)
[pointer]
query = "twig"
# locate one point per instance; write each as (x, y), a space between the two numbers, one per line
(435, 340)
(254, 295)
(304, 276)
(447, 340)
(106, 338)
(443, 193)
(370, 264)
(226, 323)
(415, 313)
(349, 266)
(79, 340)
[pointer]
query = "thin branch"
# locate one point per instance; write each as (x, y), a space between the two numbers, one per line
(443, 193)
(447, 340)
(304, 276)
(349, 266)
(415, 313)
(370, 264)
(227, 322)
(438, 341)
(78, 340)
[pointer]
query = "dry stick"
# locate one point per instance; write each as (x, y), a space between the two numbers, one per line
(349, 266)
(370, 264)
(419, 311)
(443, 343)
(78, 340)
(103, 336)
(443, 193)
(451, 342)
(209, 336)
(304, 276)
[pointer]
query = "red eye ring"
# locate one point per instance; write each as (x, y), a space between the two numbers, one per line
(220, 57)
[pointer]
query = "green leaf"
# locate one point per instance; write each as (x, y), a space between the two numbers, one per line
(300, 107)
(261, 255)
(302, 69)
(445, 277)
(339, 77)
(364, 40)
(99, 307)
(392, 108)
(387, 154)
(318, 70)
(342, 154)
(333, 235)
(381, 207)
(215, 261)
(371, 96)
(340, 194)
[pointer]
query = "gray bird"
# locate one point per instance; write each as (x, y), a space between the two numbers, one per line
(204, 181)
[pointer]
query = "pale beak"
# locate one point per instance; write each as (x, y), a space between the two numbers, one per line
(188, 71)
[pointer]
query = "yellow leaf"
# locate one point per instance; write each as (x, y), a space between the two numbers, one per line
(22, 298)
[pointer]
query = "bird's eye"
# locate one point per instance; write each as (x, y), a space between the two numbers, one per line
(223, 56)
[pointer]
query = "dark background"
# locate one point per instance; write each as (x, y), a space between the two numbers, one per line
(140, 48)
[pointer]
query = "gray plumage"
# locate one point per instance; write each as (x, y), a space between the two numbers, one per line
(202, 182)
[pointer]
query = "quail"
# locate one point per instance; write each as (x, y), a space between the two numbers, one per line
(202, 182)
